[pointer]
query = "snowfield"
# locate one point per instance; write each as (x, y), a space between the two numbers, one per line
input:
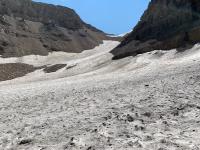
(147, 102)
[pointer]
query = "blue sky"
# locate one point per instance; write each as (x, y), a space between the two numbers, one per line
(111, 16)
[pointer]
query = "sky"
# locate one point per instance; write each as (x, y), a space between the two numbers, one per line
(111, 16)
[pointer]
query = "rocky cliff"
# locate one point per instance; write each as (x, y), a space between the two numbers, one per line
(166, 24)
(27, 27)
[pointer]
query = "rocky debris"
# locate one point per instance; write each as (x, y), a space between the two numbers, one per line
(54, 68)
(28, 27)
(11, 71)
(165, 25)
(14, 70)
(25, 141)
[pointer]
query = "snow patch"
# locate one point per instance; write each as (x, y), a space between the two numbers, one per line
(61, 57)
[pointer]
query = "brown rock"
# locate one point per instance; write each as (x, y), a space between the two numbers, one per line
(28, 27)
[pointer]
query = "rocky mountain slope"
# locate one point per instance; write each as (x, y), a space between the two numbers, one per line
(86, 100)
(166, 24)
(27, 27)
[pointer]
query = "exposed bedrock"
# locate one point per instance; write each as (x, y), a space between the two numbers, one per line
(166, 24)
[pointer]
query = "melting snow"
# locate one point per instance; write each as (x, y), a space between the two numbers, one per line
(150, 101)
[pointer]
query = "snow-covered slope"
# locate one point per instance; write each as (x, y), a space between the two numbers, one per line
(150, 101)
(76, 64)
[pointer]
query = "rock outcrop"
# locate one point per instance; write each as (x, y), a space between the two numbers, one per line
(28, 27)
(166, 24)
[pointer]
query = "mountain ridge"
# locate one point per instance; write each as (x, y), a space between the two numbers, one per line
(28, 27)
(165, 25)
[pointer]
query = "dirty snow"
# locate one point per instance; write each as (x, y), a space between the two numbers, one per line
(147, 102)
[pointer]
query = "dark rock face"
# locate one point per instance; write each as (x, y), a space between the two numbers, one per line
(166, 24)
(28, 27)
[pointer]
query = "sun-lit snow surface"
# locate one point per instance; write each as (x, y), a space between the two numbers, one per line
(121, 35)
(62, 57)
(148, 102)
